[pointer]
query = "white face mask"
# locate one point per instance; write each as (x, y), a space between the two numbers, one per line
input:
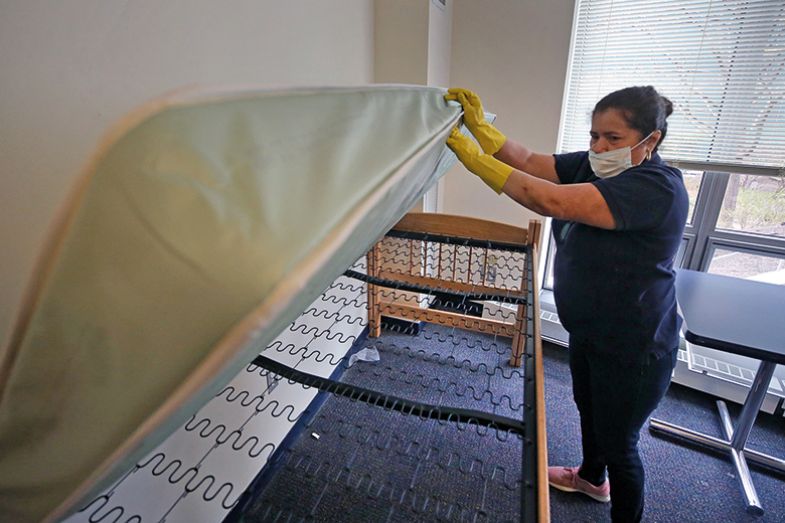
(613, 162)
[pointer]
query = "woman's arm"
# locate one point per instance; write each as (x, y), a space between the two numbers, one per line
(578, 202)
(539, 165)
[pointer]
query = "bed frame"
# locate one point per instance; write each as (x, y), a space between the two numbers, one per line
(460, 274)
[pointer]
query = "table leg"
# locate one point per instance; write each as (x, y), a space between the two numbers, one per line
(716, 444)
(752, 404)
(736, 439)
(739, 461)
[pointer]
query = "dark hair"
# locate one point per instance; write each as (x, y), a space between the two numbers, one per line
(643, 108)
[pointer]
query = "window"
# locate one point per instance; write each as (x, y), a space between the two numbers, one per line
(748, 265)
(722, 64)
(740, 227)
(755, 204)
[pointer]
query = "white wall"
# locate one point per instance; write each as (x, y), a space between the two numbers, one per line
(70, 69)
(412, 45)
(439, 43)
(401, 41)
(513, 53)
(439, 58)
(412, 42)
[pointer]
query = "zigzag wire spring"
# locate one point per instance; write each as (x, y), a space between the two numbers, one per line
(302, 464)
(305, 352)
(335, 316)
(450, 360)
(431, 332)
(435, 510)
(117, 512)
(331, 336)
(394, 374)
(459, 253)
(452, 460)
(359, 435)
(514, 274)
(222, 435)
(172, 469)
(506, 269)
(313, 467)
(359, 302)
(455, 337)
(461, 417)
(160, 468)
(502, 293)
(414, 353)
(460, 306)
(479, 395)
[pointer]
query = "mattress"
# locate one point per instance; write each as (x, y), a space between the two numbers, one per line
(203, 226)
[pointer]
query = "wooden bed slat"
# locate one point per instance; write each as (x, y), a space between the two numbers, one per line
(436, 283)
(462, 321)
(462, 226)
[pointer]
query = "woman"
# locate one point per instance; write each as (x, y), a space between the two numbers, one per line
(618, 217)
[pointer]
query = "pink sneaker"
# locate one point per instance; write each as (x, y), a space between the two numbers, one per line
(567, 479)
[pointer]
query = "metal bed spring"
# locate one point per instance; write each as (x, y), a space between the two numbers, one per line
(512, 268)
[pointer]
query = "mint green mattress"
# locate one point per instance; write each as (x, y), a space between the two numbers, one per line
(204, 225)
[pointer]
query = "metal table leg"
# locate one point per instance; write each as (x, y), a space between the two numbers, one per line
(735, 439)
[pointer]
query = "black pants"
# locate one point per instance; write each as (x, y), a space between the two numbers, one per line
(615, 396)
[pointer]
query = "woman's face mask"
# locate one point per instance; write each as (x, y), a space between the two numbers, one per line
(613, 162)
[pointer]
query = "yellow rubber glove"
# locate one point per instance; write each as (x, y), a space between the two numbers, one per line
(492, 171)
(490, 138)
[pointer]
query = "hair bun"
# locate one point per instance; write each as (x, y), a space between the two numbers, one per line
(668, 106)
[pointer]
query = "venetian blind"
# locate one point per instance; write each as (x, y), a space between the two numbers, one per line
(721, 63)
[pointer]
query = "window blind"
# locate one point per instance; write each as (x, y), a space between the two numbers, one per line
(721, 63)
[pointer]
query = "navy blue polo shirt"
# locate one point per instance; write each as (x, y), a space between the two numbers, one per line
(616, 287)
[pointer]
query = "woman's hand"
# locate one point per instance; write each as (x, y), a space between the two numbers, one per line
(493, 172)
(490, 138)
